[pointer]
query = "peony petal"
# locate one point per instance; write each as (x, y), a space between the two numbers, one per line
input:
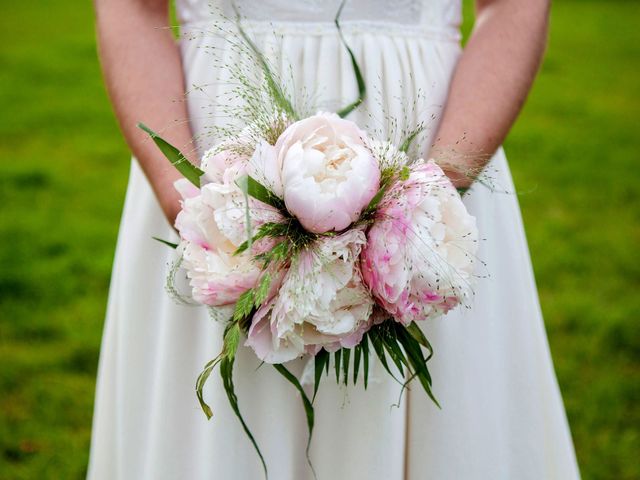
(419, 257)
(328, 174)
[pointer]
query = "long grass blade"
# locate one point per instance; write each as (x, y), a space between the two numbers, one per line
(275, 90)
(175, 156)
(200, 382)
(365, 354)
(230, 346)
(308, 406)
(226, 371)
(356, 68)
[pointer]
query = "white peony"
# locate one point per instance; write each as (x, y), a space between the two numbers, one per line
(321, 302)
(212, 225)
(328, 174)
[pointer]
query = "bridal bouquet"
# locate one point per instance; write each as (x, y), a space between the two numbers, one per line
(308, 237)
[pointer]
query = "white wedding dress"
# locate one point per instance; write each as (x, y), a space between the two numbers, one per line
(502, 416)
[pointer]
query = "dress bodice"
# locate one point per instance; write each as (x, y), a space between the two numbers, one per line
(444, 15)
(400, 45)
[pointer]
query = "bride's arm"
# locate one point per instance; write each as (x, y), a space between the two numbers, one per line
(143, 74)
(491, 81)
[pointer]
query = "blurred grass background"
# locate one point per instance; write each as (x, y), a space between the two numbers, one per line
(62, 182)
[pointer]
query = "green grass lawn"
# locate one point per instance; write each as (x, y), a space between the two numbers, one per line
(62, 181)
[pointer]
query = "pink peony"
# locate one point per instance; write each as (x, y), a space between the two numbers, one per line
(420, 251)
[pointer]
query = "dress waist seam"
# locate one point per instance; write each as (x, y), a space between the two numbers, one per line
(448, 33)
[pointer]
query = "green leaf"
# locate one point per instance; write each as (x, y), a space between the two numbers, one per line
(177, 159)
(395, 352)
(320, 362)
(414, 352)
(386, 337)
(269, 229)
(200, 382)
(417, 333)
(166, 242)
(308, 407)
(346, 353)
(336, 358)
(356, 69)
(244, 246)
(418, 362)
(280, 251)
(356, 362)
(258, 191)
(365, 354)
(262, 193)
(404, 147)
(262, 290)
(226, 359)
(377, 198)
(379, 349)
(244, 305)
(226, 372)
(231, 339)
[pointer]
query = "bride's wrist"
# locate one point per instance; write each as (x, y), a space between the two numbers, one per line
(460, 179)
(461, 168)
(456, 171)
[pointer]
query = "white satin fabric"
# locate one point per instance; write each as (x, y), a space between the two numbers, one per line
(502, 415)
